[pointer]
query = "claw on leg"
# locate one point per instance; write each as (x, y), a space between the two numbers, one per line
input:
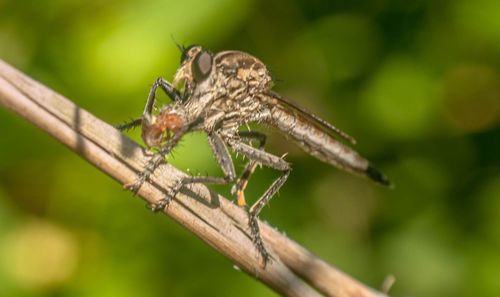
(161, 205)
(135, 186)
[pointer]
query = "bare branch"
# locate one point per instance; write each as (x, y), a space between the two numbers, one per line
(214, 219)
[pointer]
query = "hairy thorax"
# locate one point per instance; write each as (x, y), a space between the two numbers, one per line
(240, 78)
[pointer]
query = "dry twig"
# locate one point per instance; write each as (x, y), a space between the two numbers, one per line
(215, 220)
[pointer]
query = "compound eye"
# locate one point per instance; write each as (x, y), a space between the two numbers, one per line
(202, 65)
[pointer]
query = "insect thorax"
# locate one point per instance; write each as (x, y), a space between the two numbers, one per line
(231, 94)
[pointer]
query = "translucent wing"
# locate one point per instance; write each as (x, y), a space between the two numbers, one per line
(319, 121)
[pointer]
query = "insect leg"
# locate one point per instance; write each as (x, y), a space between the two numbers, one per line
(157, 158)
(223, 158)
(270, 161)
(168, 88)
(239, 187)
(129, 125)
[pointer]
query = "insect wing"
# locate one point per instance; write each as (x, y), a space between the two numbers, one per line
(314, 118)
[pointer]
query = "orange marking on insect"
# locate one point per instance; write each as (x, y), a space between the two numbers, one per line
(241, 199)
(169, 122)
(162, 129)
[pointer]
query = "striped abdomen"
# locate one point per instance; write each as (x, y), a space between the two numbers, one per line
(321, 145)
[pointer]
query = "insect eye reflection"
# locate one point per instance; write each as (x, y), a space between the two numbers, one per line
(202, 66)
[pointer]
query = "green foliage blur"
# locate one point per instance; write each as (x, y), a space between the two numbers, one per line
(417, 83)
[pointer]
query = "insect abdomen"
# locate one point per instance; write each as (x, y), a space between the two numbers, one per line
(323, 146)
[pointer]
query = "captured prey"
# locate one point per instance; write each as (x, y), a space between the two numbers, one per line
(219, 94)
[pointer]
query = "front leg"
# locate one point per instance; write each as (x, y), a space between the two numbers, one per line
(167, 87)
(171, 92)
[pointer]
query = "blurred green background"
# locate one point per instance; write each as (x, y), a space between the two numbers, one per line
(417, 83)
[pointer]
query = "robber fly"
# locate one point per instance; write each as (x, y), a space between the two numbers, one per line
(220, 93)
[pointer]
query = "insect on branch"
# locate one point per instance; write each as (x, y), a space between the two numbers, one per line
(215, 220)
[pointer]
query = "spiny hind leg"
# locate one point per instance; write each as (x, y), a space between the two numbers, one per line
(272, 161)
(238, 188)
(257, 207)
